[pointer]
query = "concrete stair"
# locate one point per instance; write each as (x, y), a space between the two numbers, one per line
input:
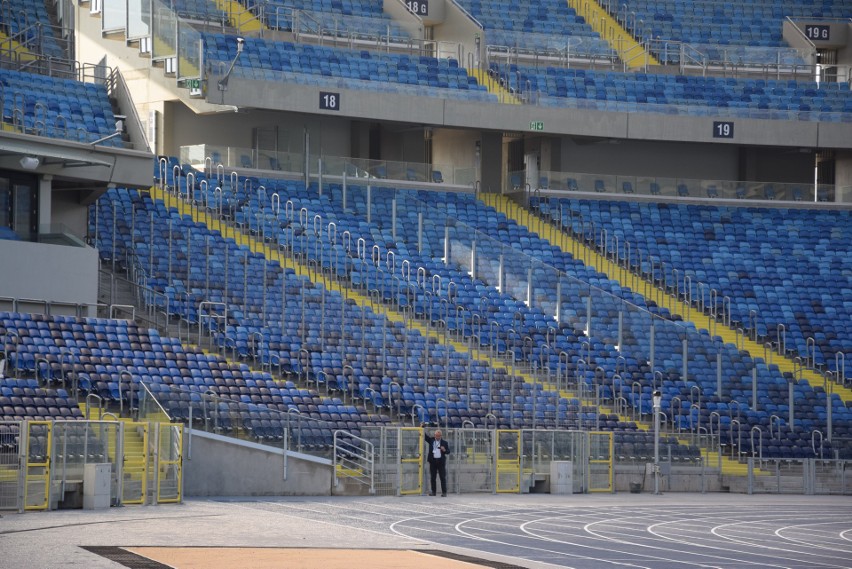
(240, 18)
(135, 454)
(493, 86)
(629, 50)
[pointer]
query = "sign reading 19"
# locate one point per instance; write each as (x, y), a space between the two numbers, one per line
(418, 7)
(723, 129)
(329, 101)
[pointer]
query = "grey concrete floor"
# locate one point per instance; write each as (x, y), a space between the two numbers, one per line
(535, 531)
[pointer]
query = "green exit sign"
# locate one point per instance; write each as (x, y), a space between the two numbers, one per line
(194, 86)
(536, 125)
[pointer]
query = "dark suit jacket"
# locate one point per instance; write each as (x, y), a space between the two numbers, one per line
(445, 449)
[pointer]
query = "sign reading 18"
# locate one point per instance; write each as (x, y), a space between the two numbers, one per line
(418, 7)
(329, 101)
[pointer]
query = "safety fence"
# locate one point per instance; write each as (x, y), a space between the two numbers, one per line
(491, 460)
(44, 464)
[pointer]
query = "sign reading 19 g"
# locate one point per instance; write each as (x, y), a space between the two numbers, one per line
(723, 129)
(329, 101)
(418, 7)
(819, 32)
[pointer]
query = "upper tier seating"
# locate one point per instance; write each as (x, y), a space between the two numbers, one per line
(678, 94)
(347, 18)
(319, 65)
(752, 23)
(58, 108)
(540, 25)
(199, 10)
(791, 266)
(30, 17)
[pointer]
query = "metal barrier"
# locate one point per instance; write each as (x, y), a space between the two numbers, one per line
(37, 466)
(43, 463)
(78, 443)
(808, 476)
(169, 460)
(354, 459)
(11, 471)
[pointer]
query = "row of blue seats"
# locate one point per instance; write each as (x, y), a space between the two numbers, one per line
(764, 260)
(347, 19)
(749, 23)
(301, 62)
(691, 92)
(528, 24)
(60, 108)
(675, 344)
(29, 22)
(294, 361)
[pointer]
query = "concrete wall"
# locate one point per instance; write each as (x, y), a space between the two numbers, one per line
(66, 209)
(634, 158)
(454, 147)
(478, 115)
(457, 28)
(843, 169)
(327, 134)
(55, 273)
(397, 10)
(221, 466)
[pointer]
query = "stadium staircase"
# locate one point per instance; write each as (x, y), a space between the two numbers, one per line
(135, 455)
(493, 86)
(239, 17)
(9, 45)
(631, 52)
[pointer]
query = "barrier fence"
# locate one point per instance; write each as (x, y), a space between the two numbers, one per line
(43, 463)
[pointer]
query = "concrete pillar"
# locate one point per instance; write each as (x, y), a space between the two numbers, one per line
(492, 155)
(843, 174)
(45, 186)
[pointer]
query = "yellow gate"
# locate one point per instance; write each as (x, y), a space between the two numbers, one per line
(411, 461)
(37, 482)
(134, 485)
(169, 462)
(600, 462)
(508, 455)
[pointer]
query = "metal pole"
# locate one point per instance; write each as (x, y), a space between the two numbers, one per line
(657, 399)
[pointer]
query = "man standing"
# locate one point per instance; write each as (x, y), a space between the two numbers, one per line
(437, 455)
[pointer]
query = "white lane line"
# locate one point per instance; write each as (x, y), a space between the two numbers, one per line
(474, 538)
(647, 556)
(774, 547)
(799, 529)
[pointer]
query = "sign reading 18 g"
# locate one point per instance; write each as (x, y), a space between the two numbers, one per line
(329, 101)
(723, 129)
(418, 7)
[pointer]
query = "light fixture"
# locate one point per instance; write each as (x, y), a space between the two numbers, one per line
(29, 162)
(223, 82)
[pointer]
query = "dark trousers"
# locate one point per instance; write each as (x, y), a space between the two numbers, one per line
(438, 468)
